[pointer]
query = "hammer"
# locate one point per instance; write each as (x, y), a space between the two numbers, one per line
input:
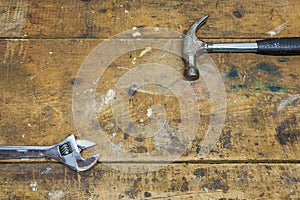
(192, 47)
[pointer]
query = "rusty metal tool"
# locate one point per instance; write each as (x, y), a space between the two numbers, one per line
(66, 152)
(193, 47)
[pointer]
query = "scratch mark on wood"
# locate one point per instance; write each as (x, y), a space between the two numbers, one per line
(288, 101)
(12, 18)
(278, 29)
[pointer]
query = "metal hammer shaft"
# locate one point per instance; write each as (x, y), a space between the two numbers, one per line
(232, 47)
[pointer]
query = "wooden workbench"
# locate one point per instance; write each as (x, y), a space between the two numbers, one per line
(44, 43)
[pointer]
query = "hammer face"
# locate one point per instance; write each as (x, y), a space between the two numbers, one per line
(191, 73)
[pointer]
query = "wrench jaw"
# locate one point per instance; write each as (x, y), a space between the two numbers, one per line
(69, 154)
(79, 164)
(85, 164)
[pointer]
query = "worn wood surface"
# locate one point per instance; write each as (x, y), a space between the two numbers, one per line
(231, 19)
(177, 181)
(42, 47)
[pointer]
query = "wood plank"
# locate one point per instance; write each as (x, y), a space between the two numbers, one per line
(177, 181)
(65, 19)
(262, 92)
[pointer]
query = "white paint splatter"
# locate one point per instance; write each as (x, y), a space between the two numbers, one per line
(126, 68)
(149, 112)
(56, 194)
(95, 82)
(110, 95)
(205, 189)
(117, 149)
(112, 135)
(110, 124)
(136, 34)
(33, 186)
(46, 170)
(278, 29)
(134, 61)
(146, 50)
(105, 100)
(288, 101)
(87, 91)
(162, 138)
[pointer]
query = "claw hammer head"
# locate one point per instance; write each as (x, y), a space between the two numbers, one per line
(70, 149)
(191, 48)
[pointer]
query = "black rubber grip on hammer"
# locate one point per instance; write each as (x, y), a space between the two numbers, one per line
(279, 46)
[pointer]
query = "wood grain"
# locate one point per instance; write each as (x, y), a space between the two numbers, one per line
(177, 181)
(37, 79)
(230, 19)
(43, 45)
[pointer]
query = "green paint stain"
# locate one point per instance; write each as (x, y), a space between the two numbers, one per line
(283, 60)
(232, 73)
(275, 87)
(271, 86)
(232, 87)
(267, 67)
(245, 95)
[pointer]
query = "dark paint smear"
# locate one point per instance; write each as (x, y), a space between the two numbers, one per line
(199, 172)
(232, 87)
(185, 185)
(132, 90)
(237, 14)
(283, 60)
(288, 131)
(47, 111)
(267, 67)
(225, 139)
(139, 138)
(216, 185)
(275, 88)
(147, 194)
(239, 86)
(232, 73)
(104, 10)
(76, 81)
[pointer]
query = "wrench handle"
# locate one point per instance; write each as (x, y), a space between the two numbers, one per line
(22, 152)
(279, 46)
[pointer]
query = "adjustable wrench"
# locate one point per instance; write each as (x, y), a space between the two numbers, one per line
(66, 152)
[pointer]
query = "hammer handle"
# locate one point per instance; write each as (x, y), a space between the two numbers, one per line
(272, 46)
(279, 46)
